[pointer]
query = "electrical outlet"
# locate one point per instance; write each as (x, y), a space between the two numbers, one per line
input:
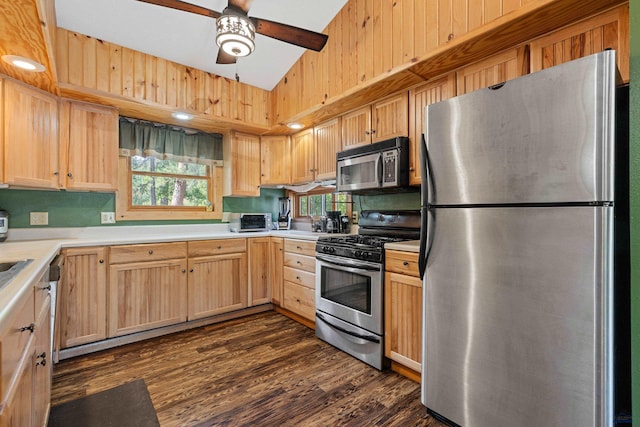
(38, 218)
(107, 218)
(355, 216)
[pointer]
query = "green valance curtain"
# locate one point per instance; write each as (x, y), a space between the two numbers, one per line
(143, 138)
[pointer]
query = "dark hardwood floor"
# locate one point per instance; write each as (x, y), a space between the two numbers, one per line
(261, 370)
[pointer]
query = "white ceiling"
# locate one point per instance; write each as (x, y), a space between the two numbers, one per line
(189, 39)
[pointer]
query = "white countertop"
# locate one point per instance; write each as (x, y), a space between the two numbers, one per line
(406, 246)
(43, 244)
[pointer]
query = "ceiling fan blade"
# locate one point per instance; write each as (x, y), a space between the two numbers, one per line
(225, 58)
(243, 5)
(184, 6)
(290, 34)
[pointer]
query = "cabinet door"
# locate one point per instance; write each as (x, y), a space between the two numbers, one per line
(82, 297)
(89, 147)
(42, 366)
(276, 268)
(245, 165)
(493, 70)
(275, 158)
(17, 411)
(303, 157)
(259, 287)
(30, 137)
(390, 118)
(147, 295)
(217, 284)
(608, 30)
(328, 143)
(419, 97)
(403, 319)
(356, 128)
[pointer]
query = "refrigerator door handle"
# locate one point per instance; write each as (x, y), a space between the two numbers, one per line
(424, 211)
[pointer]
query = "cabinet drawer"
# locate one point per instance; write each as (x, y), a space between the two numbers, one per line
(147, 252)
(301, 247)
(300, 300)
(402, 262)
(216, 247)
(301, 262)
(14, 341)
(300, 277)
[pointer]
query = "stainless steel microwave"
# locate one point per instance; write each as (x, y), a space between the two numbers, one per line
(381, 165)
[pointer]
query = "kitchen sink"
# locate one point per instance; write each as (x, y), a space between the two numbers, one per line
(10, 269)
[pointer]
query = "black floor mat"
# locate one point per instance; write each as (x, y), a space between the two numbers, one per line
(126, 405)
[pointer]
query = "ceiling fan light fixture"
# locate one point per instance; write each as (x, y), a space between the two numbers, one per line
(235, 34)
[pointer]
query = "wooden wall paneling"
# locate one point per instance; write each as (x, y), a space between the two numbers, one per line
(475, 14)
(606, 30)
(404, 16)
(492, 9)
(2, 125)
(139, 72)
(89, 59)
(386, 49)
(127, 73)
(115, 69)
(102, 66)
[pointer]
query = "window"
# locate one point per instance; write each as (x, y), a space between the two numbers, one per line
(168, 173)
(157, 182)
(318, 203)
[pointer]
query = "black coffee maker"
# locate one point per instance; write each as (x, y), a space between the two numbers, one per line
(333, 222)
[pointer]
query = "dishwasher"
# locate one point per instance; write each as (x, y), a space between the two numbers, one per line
(56, 269)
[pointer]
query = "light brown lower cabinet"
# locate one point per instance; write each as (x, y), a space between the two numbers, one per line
(217, 277)
(82, 297)
(147, 287)
(276, 268)
(403, 309)
(258, 256)
(298, 294)
(25, 362)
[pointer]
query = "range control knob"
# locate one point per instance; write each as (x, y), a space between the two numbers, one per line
(332, 250)
(358, 254)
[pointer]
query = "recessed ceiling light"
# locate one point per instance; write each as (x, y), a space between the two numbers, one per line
(182, 116)
(24, 63)
(295, 125)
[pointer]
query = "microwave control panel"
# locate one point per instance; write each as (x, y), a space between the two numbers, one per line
(389, 166)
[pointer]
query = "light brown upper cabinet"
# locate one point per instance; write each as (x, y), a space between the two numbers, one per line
(419, 97)
(303, 157)
(496, 69)
(275, 158)
(88, 147)
(30, 136)
(242, 165)
(381, 120)
(328, 142)
(608, 30)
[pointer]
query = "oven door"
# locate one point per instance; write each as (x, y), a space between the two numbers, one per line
(350, 290)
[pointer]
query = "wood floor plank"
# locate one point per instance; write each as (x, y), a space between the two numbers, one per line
(260, 370)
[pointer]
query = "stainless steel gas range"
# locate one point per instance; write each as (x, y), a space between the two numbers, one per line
(350, 283)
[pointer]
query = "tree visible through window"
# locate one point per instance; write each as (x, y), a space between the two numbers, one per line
(157, 182)
(319, 204)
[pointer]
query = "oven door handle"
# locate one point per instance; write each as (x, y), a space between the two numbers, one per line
(370, 338)
(353, 266)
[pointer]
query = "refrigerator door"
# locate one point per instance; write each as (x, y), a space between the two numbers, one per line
(543, 138)
(517, 317)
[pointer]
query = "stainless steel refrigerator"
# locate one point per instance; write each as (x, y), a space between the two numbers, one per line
(517, 250)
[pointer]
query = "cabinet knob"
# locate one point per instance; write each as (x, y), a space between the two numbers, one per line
(219, 247)
(373, 131)
(101, 261)
(411, 169)
(191, 270)
(42, 356)
(70, 175)
(184, 270)
(151, 252)
(366, 132)
(405, 263)
(298, 262)
(29, 328)
(297, 277)
(46, 288)
(56, 173)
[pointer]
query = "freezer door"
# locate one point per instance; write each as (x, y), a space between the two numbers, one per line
(543, 138)
(517, 317)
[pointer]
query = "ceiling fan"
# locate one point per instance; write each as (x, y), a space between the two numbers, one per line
(235, 31)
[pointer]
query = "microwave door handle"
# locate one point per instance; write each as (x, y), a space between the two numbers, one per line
(379, 171)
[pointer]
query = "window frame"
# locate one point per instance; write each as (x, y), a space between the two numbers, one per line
(125, 211)
(295, 199)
